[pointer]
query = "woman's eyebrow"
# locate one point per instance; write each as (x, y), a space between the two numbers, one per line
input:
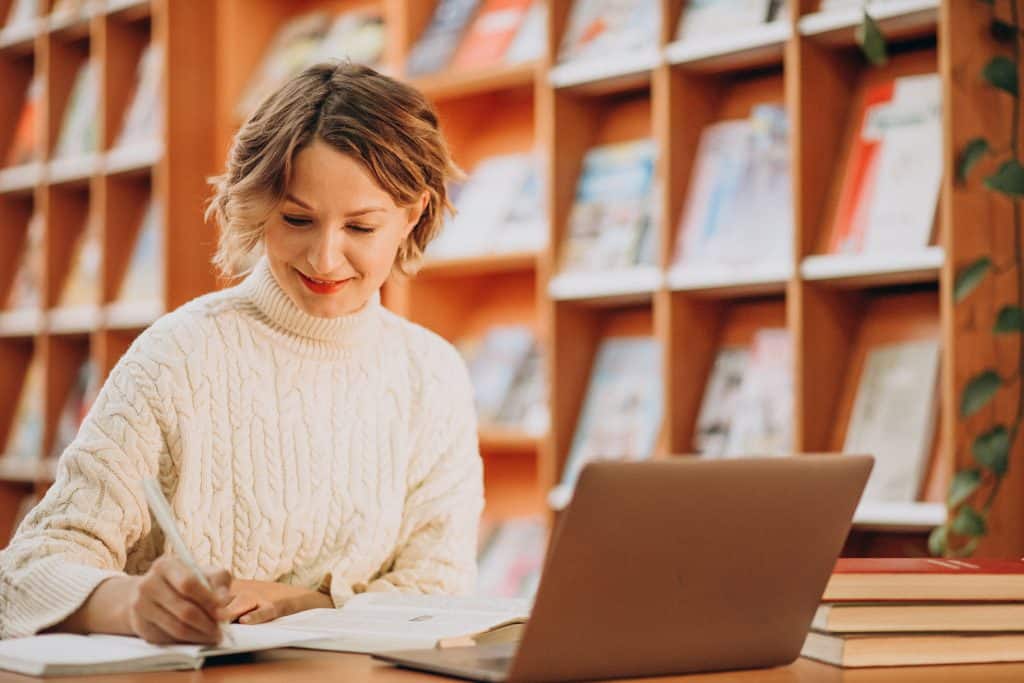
(295, 200)
(369, 209)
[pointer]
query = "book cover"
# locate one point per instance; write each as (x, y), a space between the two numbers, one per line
(490, 33)
(525, 408)
(721, 397)
(763, 418)
(612, 209)
(25, 441)
(357, 36)
(78, 134)
(434, 49)
(528, 44)
(82, 286)
(524, 227)
(925, 580)
(918, 617)
(859, 650)
(143, 120)
(287, 54)
(24, 147)
(599, 29)
(890, 186)
(26, 290)
(894, 415)
(144, 277)
(701, 19)
(622, 409)
(494, 366)
(511, 559)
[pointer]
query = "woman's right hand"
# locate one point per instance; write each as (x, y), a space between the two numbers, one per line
(168, 604)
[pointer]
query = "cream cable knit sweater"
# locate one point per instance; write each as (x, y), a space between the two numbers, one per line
(331, 453)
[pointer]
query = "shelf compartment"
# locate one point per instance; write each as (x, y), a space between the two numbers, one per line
(21, 179)
(140, 158)
(882, 516)
(898, 20)
(635, 284)
(722, 280)
(746, 48)
(874, 270)
(618, 73)
(456, 84)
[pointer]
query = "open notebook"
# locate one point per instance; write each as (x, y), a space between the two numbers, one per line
(370, 622)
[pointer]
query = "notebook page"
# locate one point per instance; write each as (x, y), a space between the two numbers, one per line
(65, 651)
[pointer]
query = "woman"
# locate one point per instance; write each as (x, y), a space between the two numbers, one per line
(312, 444)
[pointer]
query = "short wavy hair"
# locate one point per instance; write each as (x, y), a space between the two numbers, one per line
(387, 126)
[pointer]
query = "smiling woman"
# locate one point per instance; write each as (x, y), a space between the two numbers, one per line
(312, 444)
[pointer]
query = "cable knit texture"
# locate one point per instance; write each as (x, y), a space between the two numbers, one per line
(337, 454)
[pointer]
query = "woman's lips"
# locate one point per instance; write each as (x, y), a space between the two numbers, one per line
(322, 286)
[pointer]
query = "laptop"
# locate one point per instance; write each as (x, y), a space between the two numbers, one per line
(676, 566)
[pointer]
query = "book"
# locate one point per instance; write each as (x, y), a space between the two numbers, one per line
(289, 52)
(925, 580)
(859, 650)
(494, 365)
(26, 289)
(76, 406)
(24, 147)
(524, 226)
(703, 18)
(435, 47)
(721, 397)
(890, 186)
(25, 440)
(918, 617)
(78, 133)
(144, 277)
(22, 12)
(358, 36)
(143, 120)
(525, 407)
(738, 207)
(622, 410)
(511, 558)
(894, 416)
(82, 286)
(490, 33)
(600, 29)
(528, 43)
(613, 208)
(763, 418)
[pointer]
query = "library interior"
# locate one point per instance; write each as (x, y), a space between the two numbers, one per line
(669, 243)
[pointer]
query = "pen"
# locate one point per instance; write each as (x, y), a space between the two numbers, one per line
(162, 511)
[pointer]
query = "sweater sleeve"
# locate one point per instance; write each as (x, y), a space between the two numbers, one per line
(80, 532)
(436, 551)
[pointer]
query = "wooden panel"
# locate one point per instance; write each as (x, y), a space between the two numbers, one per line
(123, 202)
(467, 306)
(15, 357)
(64, 356)
(625, 117)
(119, 46)
(743, 319)
(62, 61)
(15, 74)
(67, 210)
(15, 213)
(487, 125)
(511, 483)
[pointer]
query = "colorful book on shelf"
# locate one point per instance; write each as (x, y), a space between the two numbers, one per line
(143, 120)
(76, 406)
(917, 617)
(864, 650)
(528, 44)
(524, 227)
(490, 34)
(890, 185)
(894, 415)
(738, 208)
(721, 397)
(69, 10)
(78, 134)
(511, 558)
(525, 408)
(82, 286)
(763, 419)
(601, 29)
(435, 47)
(22, 12)
(613, 208)
(358, 36)
(494, 364)
(24, 147)
(622, 410)
(925, 580)
(289, 52)
(26, 290)
(144, 278)
(25, 440)
(702, 19)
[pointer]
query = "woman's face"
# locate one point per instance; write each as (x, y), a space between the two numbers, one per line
(332, 241)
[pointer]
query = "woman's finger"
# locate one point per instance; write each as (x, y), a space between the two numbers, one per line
(184, 610)
(238, 606)
(178, 630)
(185, 582)
(260, 615)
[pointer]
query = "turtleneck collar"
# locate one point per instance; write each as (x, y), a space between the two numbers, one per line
(263, 290)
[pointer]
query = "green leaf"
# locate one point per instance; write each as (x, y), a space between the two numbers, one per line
(1009, 320)
(970, 277)
(1001, 73)
(1009, 179)
(969, 522)
(968, 548)
(992, 450)
(938, 541)
(1001, 31)
(979, 392)
(963, 485)
(871, 41)
(972, 154)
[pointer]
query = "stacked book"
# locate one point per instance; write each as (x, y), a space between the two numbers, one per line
(910, 611)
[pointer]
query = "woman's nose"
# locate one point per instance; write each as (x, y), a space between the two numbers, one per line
(326, 252)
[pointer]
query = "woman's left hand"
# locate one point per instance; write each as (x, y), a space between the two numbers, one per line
(256, 602)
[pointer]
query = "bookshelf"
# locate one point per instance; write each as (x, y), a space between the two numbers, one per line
(834, 307)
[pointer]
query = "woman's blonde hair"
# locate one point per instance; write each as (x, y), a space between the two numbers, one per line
(386, 125)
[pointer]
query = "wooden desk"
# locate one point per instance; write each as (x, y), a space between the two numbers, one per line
(307, 666)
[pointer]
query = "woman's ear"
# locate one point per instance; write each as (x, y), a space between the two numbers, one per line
(415, 213)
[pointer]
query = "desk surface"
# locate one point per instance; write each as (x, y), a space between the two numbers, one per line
(305, 666)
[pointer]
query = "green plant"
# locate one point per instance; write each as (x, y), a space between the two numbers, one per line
(974, 489)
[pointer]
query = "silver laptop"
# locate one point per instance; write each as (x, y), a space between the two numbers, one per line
(679, 566)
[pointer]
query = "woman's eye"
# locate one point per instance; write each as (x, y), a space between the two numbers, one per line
(361, 228)
(297, 221)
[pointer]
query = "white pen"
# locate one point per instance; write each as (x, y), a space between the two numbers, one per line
(161, 509)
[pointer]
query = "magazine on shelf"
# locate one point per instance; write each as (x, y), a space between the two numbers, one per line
(143, 120)
(358, 36)
(22, 12)
(763, 419)
(491, 33)
(890, 186)
(82, 286)
(26, 290)
(622, 410)
(738, 208)
(78, 134)
(289, 53)
(701, 19)
(144, 277)
(25, 441)
(511, 558)
(601, 29)
(528, 43)
(493, 365)
(525, 407)
(435, 47)
(524, 227)
(24, 147)
(894, 417)
(721, 398)
(612, 211)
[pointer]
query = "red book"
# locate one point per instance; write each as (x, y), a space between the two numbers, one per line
(492, 31)
(925, 579)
